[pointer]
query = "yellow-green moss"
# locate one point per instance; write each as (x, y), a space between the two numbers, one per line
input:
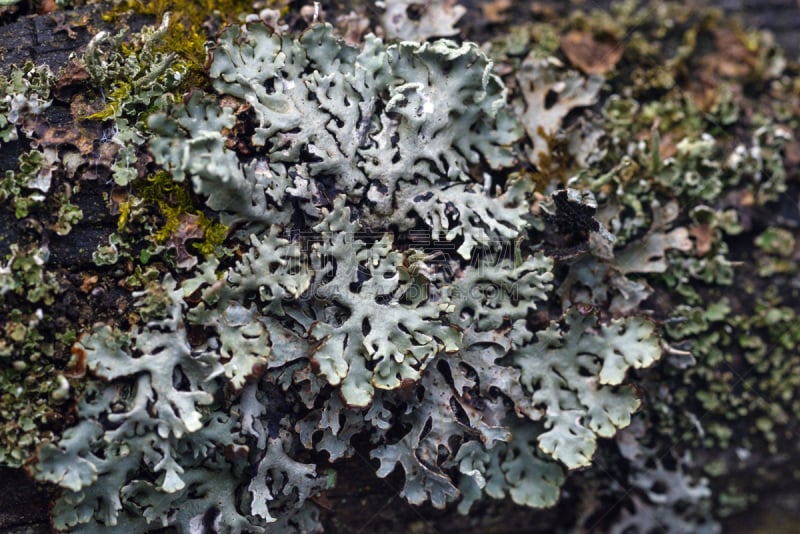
(173, 199)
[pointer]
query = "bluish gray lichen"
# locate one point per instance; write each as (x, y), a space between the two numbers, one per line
(377, 282)
(409, 269)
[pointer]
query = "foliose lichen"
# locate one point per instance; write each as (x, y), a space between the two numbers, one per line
(336, 249)
(369, 262)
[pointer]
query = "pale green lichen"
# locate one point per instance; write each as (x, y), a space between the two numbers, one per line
(23, 95)
(388, 278)
(33, 386)
(418, 20)
(133, 80)
(354, 153)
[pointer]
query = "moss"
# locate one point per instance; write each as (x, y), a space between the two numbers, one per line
(187, 32)
(173, 200)
(214, 236)
(120, 92)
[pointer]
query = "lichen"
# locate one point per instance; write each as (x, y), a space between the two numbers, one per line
(353, 153)
(37, 381)
(387, 249)
(418, 20)
(23, 96)
(35, 376)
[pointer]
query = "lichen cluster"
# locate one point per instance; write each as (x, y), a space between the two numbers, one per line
(34, 359)
(692, 160)
(373, 281)
(327, 247)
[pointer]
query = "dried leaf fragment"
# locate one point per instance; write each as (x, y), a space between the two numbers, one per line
(589, 54)
(496, 11)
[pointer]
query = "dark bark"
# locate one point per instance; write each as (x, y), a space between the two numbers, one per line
(23, 506)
